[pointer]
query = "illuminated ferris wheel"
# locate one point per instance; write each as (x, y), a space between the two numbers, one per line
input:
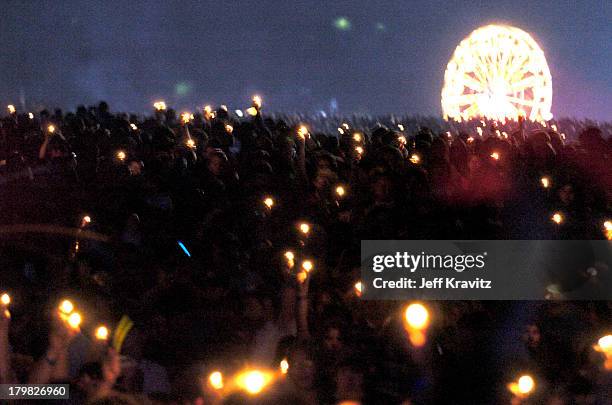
(498, 72)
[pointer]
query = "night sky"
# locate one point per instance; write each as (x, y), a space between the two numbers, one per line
(382, 57)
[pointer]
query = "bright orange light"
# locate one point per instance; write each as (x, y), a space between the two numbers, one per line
(604, 344)
(526, 384)
(253, 381)
(340, 191)
(289, 255)
(302, 276)
(608, 229)
(66, 307)
(359, 150)
(545, 181)
(494, 155)
(284, 366)
(415, 159)
(358, 288)
(304, 228)
(417, 316)
(307, 266)
(5, 299)
(497, 72)
(102, 332)
(86, 220)
(159, 105)
(190, 143)
(121, 155)
(186, 117)
(51, 128)
(302, 131)
(470, 139)
(252, 111)
(257, 101)
(229, 129)
(269, 202)
(74, 320)
(215, 380)
(357, 137)
(557, 218)
(402, 139)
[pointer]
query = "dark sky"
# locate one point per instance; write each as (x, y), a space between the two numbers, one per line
(391, 59)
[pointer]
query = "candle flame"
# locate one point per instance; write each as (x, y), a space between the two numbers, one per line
(215, 380)
(5, 299)
(102, 332)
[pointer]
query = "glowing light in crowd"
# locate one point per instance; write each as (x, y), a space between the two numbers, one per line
(257, 101)
(289, 255)
(284, 366)
(215, 379)
(470, 139)
(357, 137)
(268, 202)
(31, 116)
(102, 332)
(494, 155)
(223, 107)
(252, 111)
(523, 387)
(358, 288)
(66, 307)
(417, 316)
(557, 218)
(229, 129)
(400, 126)
(497, 72)
(159, 105)
(121, 155)
(302, 276)
(307, 266)
(359, 150)
(545, 181)
(604, 345)
(85, 220)
(402, 139)
(5, 299)
(11, 109)
(345, 125)
(186, 117)
(51, 128)
(340, 191)
(479, 130)
(190, 143)
(253, 381)
(239, 113)
(608, 229)
(74, 320)
(184, 248)
(134, 127)
(304, 228)
(302, 131)
(414, 158)
(341, 131)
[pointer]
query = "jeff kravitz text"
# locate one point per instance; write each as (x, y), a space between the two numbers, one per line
(406, 262)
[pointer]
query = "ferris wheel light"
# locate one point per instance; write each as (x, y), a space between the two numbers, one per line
(498, 72)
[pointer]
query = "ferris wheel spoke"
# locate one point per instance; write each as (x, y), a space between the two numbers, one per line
(473, 84)
(523, 84)
(465, 99)
(520, 101)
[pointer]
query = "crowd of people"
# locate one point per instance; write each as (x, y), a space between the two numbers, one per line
(232, 243)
